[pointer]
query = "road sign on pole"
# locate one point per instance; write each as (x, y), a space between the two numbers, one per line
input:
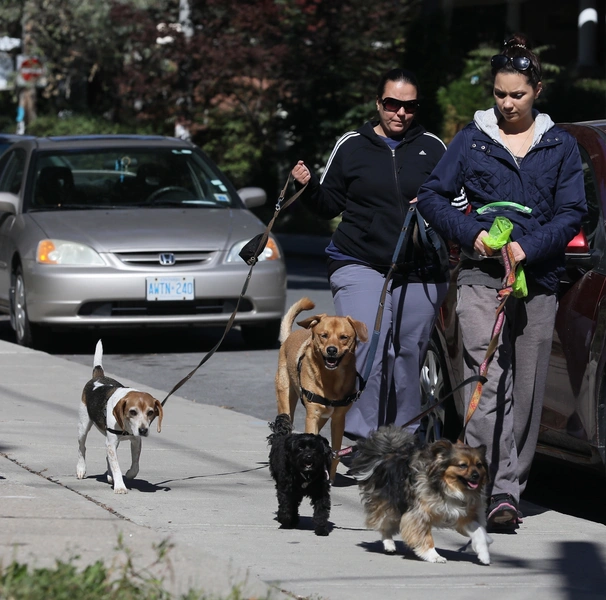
(29, 70)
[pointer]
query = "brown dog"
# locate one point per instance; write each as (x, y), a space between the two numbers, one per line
(317, 365)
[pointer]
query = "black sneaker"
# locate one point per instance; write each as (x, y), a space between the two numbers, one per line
(502, 514)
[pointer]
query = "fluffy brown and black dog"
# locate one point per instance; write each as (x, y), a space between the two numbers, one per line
(410, 487)
(299, 463)
(317, 364)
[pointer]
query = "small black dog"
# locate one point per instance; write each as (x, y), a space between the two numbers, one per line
(299, 464)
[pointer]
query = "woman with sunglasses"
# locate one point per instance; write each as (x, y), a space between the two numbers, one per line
(514, 162)
(372, 177)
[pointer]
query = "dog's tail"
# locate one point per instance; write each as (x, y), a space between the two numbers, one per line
(383, 445)
(291, 315)
(281, 426)
(98, 361)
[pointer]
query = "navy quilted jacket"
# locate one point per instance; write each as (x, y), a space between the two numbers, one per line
(549, 180)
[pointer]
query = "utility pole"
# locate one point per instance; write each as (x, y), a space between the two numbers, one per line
(181, 125)
(26, 109)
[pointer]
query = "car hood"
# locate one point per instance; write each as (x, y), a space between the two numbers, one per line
(207, 229)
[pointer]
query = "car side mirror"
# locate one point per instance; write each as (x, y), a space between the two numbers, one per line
(578, 252)
(9, 203)
(252, 196)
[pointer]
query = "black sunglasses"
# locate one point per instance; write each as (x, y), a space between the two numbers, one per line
(393, 105)
(519, 63)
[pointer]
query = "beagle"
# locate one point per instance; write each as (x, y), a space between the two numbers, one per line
(118, 412)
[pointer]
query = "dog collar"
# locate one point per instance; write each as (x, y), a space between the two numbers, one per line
(117, 431)
(307, 480)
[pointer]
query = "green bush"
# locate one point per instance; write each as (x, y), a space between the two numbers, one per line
(97, 582)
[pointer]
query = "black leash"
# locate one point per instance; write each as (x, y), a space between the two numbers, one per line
(250, 254)
(377, 330)
(374, 341)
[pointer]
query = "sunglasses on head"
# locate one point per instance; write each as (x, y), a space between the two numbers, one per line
(393, 105)
(519, 63)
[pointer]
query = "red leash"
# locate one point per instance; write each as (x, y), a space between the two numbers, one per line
(503, 295)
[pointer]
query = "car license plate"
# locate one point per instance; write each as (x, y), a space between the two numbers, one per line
(170, 288)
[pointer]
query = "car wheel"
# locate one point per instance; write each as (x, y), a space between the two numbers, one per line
(443, 421)
(261, 337)
(26, 333)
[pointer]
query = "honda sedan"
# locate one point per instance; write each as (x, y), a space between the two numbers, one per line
(129, 231)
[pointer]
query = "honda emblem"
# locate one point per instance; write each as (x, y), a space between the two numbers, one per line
(167, 259)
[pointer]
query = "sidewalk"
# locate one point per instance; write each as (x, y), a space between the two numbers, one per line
(204, 486)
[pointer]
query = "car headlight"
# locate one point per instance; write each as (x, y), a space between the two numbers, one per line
(271, 252)
(61, 252)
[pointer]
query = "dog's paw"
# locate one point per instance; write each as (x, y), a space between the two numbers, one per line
(81, 471)
(484, 558)
(120, 490)
(389, 546)
(321, 531)
(431, 556)
(437, 559)
(287, 523)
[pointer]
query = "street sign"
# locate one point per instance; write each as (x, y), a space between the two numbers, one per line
(29, 70)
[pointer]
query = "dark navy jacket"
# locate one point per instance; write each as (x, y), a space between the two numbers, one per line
(549, 180)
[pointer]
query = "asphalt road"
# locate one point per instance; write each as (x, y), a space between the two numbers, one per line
(242, 380)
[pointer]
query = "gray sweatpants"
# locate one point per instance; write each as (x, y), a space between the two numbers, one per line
(508, 416)
(392, 392)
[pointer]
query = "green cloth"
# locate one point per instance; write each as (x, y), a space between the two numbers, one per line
(498, 236)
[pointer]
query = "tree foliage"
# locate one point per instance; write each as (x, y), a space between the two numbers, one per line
(256, 82)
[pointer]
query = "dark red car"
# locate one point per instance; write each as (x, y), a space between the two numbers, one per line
(574, 412)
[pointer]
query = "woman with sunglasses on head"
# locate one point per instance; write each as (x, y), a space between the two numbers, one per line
(372, 177)
(514, 162)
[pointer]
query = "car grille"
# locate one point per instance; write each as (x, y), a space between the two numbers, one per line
(181, 258)
(135, 308)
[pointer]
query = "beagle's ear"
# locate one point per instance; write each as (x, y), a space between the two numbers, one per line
(159, 413)
(118, 413)
(311, 321)
(360, 329)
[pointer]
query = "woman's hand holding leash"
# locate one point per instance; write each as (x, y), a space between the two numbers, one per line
(301, 173)
(483, 250)
(479, 246)
(518, 252)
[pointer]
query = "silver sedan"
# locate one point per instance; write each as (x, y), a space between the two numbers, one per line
(129, 231)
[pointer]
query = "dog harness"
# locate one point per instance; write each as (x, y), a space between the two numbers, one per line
(311, 397)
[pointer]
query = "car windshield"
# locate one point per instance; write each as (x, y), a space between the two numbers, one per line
(123, 178)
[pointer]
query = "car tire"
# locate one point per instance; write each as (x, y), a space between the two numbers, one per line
(26, 333)
(261, 337)
(443, 421)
